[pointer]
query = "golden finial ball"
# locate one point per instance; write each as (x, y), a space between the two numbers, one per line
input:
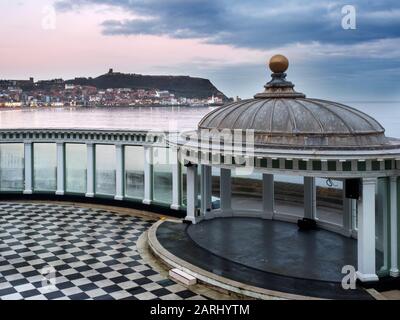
(278, 63)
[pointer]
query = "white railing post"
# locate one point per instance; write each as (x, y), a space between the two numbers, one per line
(366, 232)
(119, 177)
(192, 212)
(148, 175)
(394, 268)
(176, 181)
(90, 174)
(28, 159)
(310, 198)
(60, 169)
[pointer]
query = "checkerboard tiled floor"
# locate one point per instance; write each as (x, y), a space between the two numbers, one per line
(92, 252)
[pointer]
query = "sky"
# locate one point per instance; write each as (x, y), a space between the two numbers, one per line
(226, 41)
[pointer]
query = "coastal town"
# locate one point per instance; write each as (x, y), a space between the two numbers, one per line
(80, 93)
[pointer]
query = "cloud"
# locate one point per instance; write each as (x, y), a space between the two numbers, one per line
(252, 24)
(349, 64)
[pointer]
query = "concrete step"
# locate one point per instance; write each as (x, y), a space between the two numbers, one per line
(182, 277)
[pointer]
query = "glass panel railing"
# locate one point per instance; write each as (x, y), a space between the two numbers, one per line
(12, 167)
(184, 185)
(105, 169)
(329, 197)
(45, 166)
(247, 191)
(134, 172)
(75, 168)
(163, 159)
(289, 195)
(382, 226)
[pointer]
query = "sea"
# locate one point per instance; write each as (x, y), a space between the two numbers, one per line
(155, 118)
(161, 119)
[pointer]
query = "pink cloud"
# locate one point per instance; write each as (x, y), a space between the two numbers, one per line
(76, 46)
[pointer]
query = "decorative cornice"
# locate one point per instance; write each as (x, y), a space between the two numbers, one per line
(82, 136)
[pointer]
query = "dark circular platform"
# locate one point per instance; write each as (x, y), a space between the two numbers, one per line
(277, 247)
(272, 255)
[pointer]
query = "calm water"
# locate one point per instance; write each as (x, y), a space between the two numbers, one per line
(147, 119)
(158, 119)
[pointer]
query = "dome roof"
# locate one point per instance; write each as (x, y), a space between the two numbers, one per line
(281, 116)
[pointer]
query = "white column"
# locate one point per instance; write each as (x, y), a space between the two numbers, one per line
(268, 196)
(90, 174)
(60, 169)
(347, 211)
(366, 232)
(354, 217)
(226, 192)
(28, 158)
(394, 270)
(119, 172)
(192, 213)
(206, 189)
(176, 181)
(310, 198)
(148, 175)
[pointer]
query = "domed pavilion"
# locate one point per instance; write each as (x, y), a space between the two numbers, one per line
(282, 132)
